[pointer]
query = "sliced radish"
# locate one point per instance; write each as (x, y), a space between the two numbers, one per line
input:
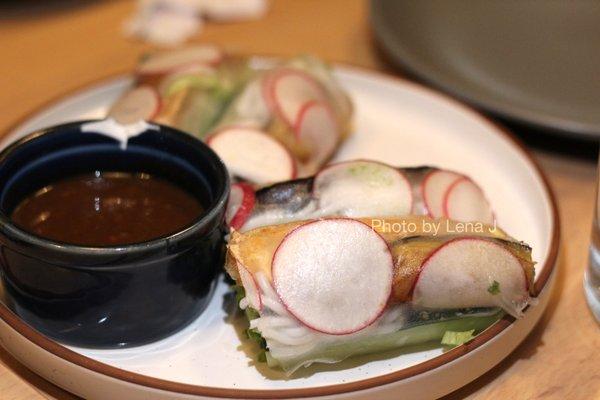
(141, 103)
(333, 275)
(287, 90)
(240, 205)
(317, 128)
(249, 107)
(362, 189)
(324, 75)
(465, 201)
(166, 62)
(471, 272)
(250, 287)
(434, 188)
(253, 155)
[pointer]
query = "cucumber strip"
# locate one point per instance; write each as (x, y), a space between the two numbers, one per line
(421, 333)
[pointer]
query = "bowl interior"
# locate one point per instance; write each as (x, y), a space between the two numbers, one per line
(40, 160)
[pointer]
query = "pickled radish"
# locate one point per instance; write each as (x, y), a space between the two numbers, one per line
(317, 128)
(471, 272)
(361, 189)
(434, 188)
(333, 275)
(141, 103)
(253, 155)
(465, 201)
(240, 204)
(288, 90)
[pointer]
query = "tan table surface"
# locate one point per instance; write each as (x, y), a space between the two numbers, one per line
(51, 47)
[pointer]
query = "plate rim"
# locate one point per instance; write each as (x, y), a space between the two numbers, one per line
(107, 370)
(397, 52)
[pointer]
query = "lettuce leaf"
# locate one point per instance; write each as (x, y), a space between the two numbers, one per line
(426, 332)
(451, 327)
(251, 314)
(453, 339)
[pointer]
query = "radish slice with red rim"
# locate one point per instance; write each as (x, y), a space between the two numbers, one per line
(251, 289)
(240, 205)
(253, 155)
(434, 188)
(318, 129)
(471, 272)
(287, 90)
(361, 189)
(141, 103)
(165, 62)
(333, 275)
(465, 201)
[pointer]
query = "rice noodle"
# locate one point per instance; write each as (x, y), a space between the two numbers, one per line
(287, 337)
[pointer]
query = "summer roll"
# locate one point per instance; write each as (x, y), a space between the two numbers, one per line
(185, 88)
(327, 289)
(269, 121)
(286, 122)
(360, 188)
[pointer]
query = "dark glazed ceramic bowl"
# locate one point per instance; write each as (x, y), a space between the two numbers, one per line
(111, 296)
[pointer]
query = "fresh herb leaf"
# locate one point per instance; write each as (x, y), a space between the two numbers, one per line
(453, 339)
(262, 356)
(494, 288)
(252, 333)
(251, 313)
(255, 335)
(240, 293)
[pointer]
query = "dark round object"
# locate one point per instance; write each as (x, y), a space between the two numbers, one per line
(111, 296)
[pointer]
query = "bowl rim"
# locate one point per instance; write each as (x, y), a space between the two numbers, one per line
(336, 389)
(11, 230)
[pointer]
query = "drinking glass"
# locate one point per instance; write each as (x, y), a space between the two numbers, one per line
(591, 279)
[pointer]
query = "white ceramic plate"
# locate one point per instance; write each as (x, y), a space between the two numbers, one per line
(397, 122)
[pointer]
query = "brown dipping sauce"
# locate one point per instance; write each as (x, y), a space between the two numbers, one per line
(107, 209)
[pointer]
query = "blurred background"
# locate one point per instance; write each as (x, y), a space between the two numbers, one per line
(538, 81)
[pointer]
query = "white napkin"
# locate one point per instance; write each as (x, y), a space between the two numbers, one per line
(171, 22)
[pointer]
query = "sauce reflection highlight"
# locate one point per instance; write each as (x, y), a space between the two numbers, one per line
(107, 209)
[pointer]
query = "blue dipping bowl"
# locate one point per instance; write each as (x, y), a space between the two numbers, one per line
(106, 297)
